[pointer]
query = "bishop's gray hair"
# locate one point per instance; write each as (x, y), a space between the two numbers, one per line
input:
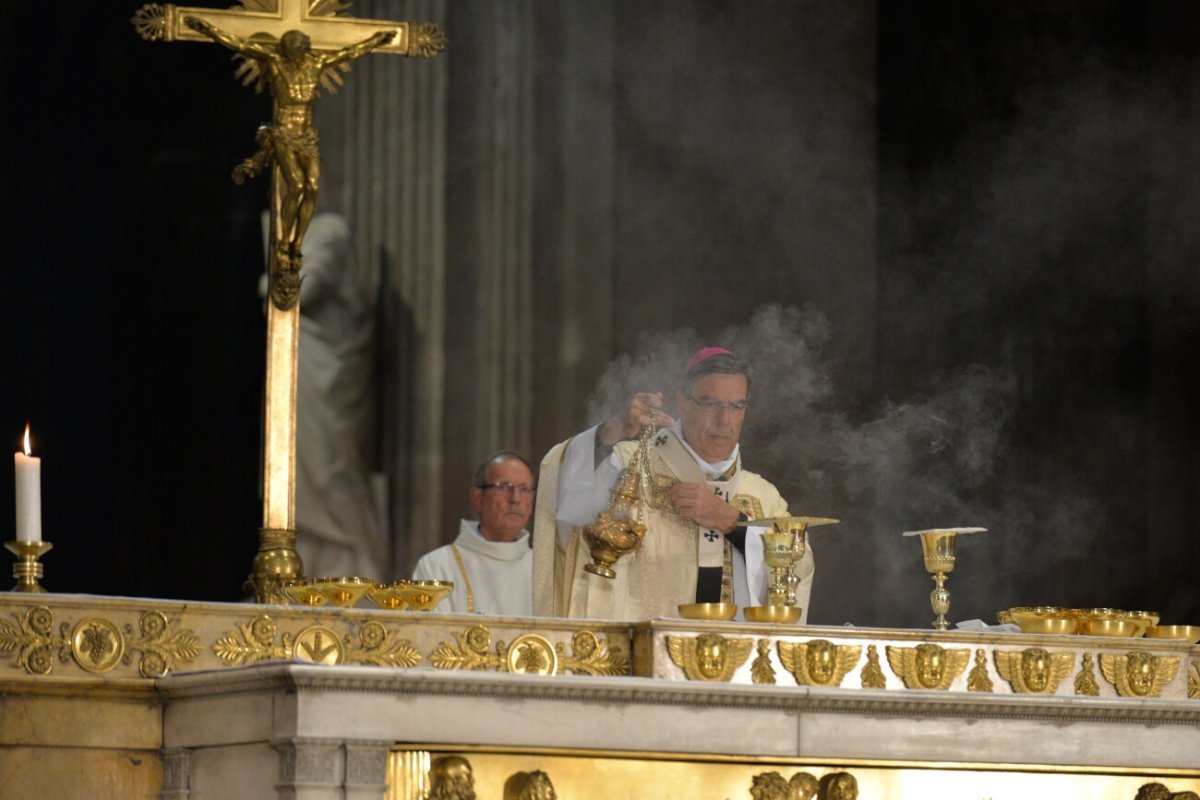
(722, 364)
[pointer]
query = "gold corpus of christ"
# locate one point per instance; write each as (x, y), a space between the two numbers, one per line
(296, 49)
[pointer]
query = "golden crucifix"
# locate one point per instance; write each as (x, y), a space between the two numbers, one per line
(295, 48)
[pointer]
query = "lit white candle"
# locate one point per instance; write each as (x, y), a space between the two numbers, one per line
(29, 494)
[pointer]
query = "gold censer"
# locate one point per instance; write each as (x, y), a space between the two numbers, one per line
(937, 546)
(618, 530)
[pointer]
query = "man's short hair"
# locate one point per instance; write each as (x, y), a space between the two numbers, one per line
(500, 455)
(721, 364)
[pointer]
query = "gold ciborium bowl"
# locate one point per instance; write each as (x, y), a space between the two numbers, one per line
(424, 595)
(343, 592)
(1092, 626)
(780, 615)
(1184, 633)
(306, 594)
(1143, 619)
(1115, 622)
(388, 595)
(709, 611)
(1042, 619)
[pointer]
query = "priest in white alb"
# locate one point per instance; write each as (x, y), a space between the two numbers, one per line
(490, 563)
(700, 543)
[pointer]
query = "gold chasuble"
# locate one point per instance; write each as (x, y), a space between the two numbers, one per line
(662, 573)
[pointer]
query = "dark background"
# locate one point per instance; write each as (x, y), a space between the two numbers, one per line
(1034, 299)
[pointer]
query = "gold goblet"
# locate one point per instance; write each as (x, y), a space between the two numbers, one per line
(937, 545)
(424, 595)
(343, 592)
(305, 593)
(389, 595)
(783, 546)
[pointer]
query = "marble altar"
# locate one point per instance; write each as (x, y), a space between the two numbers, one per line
(132, 698)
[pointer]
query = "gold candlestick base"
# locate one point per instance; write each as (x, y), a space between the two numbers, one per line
(276, 565)
(28, 569)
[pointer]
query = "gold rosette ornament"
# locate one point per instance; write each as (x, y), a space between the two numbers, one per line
(619, 529)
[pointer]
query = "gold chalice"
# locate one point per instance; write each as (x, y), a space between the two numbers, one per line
(424, 595)
(937, 545)
(305, 593)
(343, 592)
(783, 546)
(388, 595)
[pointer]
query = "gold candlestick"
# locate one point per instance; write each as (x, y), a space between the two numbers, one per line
(783, 546)
(937, 547)
(28, 569)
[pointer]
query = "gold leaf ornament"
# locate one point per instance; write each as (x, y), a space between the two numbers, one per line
(253, 641)
(468, 651)
(591, 655)
(31, 643)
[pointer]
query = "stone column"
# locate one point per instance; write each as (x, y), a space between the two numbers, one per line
(384, 137)
(310, 769)
(575, 212)
(504, 301)
(490, 212)
(177, 769)
(366, 770)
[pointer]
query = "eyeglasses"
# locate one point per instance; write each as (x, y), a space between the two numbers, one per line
(520, 489)
(712, 407)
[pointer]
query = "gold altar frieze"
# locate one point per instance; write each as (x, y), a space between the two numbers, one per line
(529, 653)
(1193, 684)
(818, 662)
(95, 644)
(709, 656)
(1004, 663)
(928, 665)
(1034, 670)
(514, 773)
(77, 637)
(1138, 673)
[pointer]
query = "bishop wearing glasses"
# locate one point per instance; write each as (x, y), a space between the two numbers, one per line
(700, 543)
(490, 562)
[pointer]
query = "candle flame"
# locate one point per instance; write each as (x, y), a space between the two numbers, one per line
(28, 449)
